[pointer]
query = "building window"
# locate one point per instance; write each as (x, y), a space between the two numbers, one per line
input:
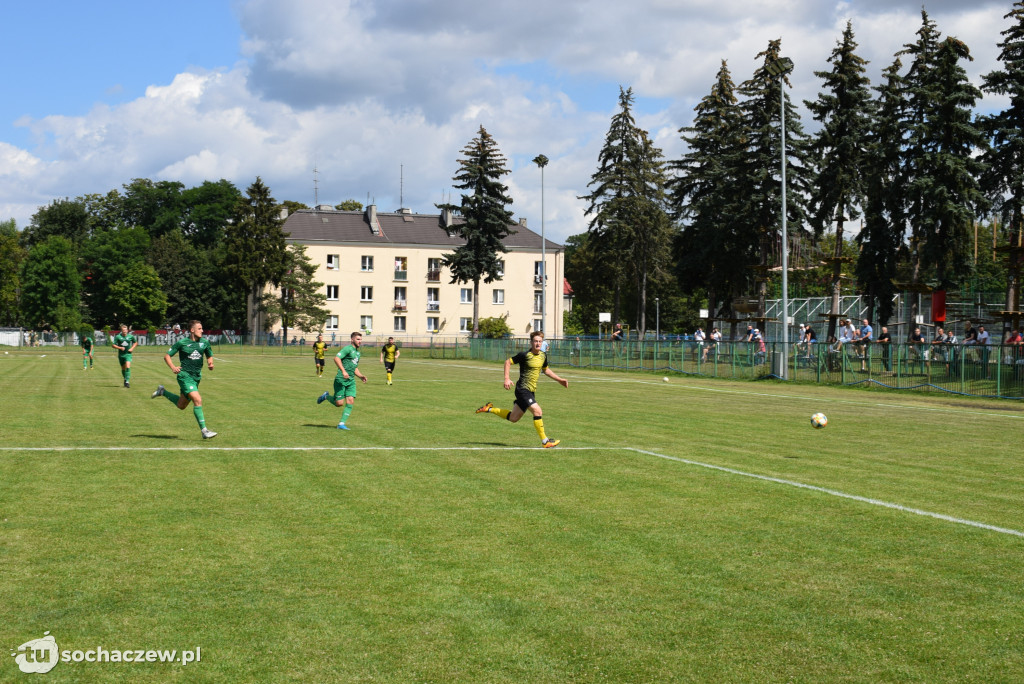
(538, 302)
(538, 324)
(332, 323)
(367, 263)
(333, 262)
(501, 268)
(366, 293)
(466, 295)
(465, 324)
(432, 324)
(401, 268)
(538, 272)
(366, 323)
(434, 270)
(499, 296)
(400, 303)
(332, 292)
(399, 323)
(433, 299)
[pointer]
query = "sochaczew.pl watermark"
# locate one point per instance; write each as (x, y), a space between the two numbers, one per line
(39, 656)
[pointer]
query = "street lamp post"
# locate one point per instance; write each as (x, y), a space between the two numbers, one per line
(657, 328)
(780, 68)
(542, 161)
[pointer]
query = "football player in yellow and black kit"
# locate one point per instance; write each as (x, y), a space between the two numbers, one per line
(319, 347)
(531, 364)
(389, 353)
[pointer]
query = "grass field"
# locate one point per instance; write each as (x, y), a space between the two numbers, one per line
(698, 530)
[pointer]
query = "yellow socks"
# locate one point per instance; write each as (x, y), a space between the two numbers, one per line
(538, 425)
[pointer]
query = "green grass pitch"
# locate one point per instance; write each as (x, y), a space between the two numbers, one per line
(695, 530)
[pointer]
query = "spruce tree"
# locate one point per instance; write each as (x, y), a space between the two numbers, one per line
(845, 110)
(1003, 181)
(486, 220)
(758, 183)
(708, 252)
(630, 225)
(255, 247)
(611, 184)
(884, 217)
(951, 190)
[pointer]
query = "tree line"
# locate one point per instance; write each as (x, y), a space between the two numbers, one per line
(155, 253)
(907, 159)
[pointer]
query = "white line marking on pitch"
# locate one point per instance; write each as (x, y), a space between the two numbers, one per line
(311, 448)
(833, 492)
(723, 469)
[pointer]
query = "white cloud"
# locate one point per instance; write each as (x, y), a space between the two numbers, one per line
(361, 89)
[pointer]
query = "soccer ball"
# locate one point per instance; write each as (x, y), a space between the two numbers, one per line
(665, 379)
(819, 420)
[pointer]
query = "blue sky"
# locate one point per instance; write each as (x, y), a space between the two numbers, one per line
(369, 91)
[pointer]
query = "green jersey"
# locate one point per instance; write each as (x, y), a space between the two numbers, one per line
(190, 355)
(125, 341)
(349, 360)
(87, 344)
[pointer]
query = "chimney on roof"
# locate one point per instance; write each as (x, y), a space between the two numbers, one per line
(446, 219)
(522, 221)
(324, 207)
(371, 218)
(284, 212)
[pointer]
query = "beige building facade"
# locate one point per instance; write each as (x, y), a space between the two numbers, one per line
(383, 274)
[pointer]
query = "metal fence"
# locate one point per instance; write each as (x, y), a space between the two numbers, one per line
(992, 371)
(985, 371)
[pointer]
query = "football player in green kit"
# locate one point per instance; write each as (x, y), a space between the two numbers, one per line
(347, 361)
(86, 352)
(124, 342)
(190, 351)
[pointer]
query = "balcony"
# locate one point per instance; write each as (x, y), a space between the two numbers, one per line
(433, 306)
(400, 305)
(433, 276)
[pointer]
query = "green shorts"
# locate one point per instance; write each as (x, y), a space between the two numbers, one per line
(187, 384)
(343, 387)
(124, 358)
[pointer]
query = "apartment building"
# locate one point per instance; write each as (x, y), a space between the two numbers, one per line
(383, 273)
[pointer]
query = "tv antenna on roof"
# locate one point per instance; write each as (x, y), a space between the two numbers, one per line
(316, 186)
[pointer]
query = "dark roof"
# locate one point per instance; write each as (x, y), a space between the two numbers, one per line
(309, 225)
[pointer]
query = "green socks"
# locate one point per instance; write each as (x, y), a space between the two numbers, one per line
(346, 413)
(198, 410)
(173, 398)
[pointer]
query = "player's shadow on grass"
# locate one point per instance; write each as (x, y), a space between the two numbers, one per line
(317, 425)
(158, 436)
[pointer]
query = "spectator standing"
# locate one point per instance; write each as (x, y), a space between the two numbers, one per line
(885, 340)
(698, 338)
(810, 338)
(863, 339)
(917, 343)
(983, 346)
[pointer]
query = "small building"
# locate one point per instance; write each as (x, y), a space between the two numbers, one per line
(383, 274)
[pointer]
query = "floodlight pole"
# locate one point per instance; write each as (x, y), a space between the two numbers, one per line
(542, 161)
(780, 68)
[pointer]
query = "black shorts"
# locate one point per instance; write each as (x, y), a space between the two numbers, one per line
(525, 399)
(319, 362)
(389, 366)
